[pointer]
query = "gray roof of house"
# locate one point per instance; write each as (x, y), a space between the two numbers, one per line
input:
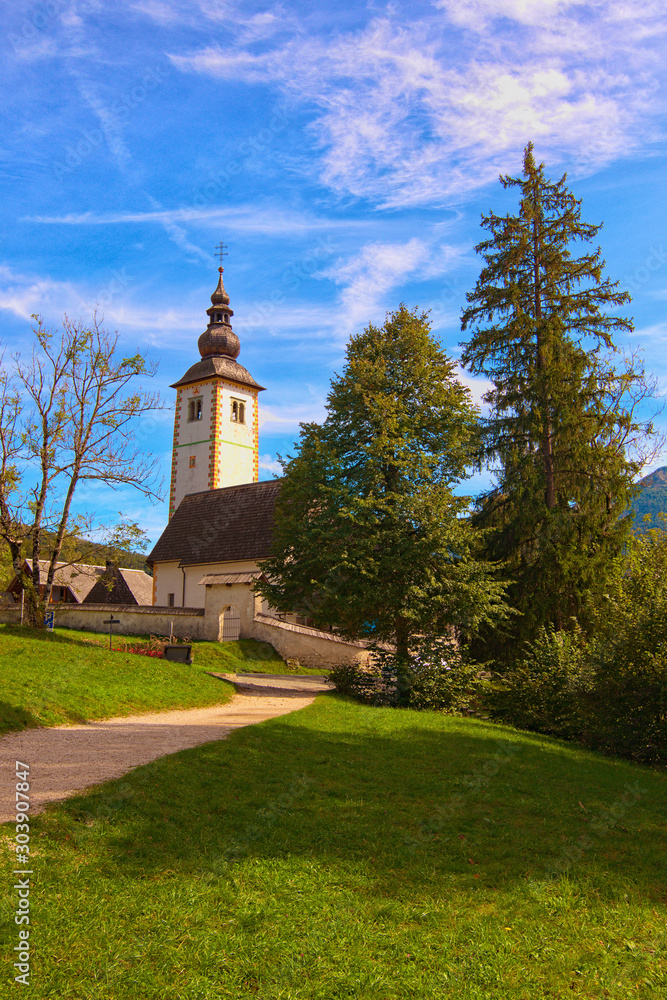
(79, 578)
(121, 586)
(82, 579)
(224, 525)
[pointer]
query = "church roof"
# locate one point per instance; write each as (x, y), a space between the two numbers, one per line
(214, 365)
(223, 525)
(218, 346)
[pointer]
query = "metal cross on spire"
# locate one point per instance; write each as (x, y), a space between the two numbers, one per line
(221, 251)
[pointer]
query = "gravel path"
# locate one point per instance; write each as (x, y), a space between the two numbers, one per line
(66, 759)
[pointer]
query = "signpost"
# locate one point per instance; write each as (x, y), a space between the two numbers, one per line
(111, 621)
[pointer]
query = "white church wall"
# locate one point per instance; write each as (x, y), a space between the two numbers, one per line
(168, 578)
(236, 444)
(310, 647)
(133, 619)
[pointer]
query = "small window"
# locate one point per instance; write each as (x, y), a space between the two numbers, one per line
(218, 317)
(194, 410)
(237, 414)
(193, 461)
(170, 600)
(226, 317)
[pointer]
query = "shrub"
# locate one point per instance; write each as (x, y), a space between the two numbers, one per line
(437, 678)
(543, 691)
(609, 693)
(627, 707)
(362, 682)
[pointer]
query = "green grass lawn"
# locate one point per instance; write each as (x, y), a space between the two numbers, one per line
(346, 851)
(53, 678)
(244, 656)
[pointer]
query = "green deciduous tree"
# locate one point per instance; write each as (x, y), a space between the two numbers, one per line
(370, 538)
(67, 415)
(563, 434)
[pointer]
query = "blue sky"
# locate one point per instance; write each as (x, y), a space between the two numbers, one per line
(344, 155)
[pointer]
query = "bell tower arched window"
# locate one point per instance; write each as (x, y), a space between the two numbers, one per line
(237, 413)
(194, 410)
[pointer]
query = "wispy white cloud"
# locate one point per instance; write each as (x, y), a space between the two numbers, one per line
(477, 387)
(178, 235)
(270, 464)
(23, 295)
(110, 123)
(415, 112)
(368, 276)
(26, 294)
(653, 332)
(285, 417)
(252, 218)
(246, 27)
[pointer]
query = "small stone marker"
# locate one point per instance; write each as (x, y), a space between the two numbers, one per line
(178, 654)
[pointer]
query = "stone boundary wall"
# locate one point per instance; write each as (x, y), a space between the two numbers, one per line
(310, 646)
(134, 619)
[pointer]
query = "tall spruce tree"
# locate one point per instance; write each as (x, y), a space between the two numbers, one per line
(563, 407)
(369, 537)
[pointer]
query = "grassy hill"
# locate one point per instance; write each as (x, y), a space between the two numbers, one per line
(652, 500)
(52, 678)
(352, 852)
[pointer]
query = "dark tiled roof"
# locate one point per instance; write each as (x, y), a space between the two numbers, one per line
(222, 367)
(121, 586)
(220, 526)
(90, 584)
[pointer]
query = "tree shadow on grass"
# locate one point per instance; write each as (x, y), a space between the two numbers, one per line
(409, 796)
(46, 635)
(13, 718)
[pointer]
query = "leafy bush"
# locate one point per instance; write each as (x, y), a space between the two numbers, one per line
(437, 678)
(543, 691)
(627, 706)
(362, 682)
(609, 692)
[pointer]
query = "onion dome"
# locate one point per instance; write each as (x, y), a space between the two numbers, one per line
(218, 339)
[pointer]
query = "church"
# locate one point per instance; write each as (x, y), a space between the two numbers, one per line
(220, 516)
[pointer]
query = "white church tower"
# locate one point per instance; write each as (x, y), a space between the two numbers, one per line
(216, 431)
